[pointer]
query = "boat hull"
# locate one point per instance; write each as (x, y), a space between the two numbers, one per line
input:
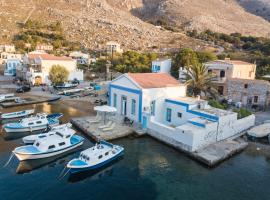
(94, 167)
(25, 129)
(23, 157)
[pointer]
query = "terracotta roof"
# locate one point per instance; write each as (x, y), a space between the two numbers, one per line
(233, 62)
(154, 80)
(45, 56)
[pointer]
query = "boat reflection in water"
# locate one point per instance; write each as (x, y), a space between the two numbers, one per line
(104, 171)
(30, 165)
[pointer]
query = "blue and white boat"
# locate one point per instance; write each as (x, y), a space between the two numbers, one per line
(35, 123)
(95, 157)
(52, 145)
(30, 139)
(15, 115)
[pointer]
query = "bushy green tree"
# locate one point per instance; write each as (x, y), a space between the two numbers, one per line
(58, 74)
(132, 61)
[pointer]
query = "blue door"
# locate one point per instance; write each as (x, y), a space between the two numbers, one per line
(144, 122)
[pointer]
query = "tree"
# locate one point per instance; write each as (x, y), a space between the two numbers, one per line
(199, 80)
(205, 56)
(185, 58)
(58, 74)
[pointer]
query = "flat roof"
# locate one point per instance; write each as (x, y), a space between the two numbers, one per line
(187, 100)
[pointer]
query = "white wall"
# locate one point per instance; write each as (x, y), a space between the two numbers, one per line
(165, 65)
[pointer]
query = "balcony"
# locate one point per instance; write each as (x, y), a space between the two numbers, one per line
(219, 79)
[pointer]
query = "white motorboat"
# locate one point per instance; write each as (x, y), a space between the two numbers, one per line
(30, 139)
(5, 97)
(52, 145)
(95, 157)
(19, 114)
(35, 123)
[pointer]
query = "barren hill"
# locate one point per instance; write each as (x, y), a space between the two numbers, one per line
(93, 22)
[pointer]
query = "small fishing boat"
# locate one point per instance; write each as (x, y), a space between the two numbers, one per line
(6, 97)
(66, 86)
(95, 157)
(14, 115)
(34, 123)
(52, 145)
(30, 139)
(259, 131)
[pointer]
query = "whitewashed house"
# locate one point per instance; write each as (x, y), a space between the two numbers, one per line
(81, 58)
(162, 66)
(11, 66)
(113, 47)
(158, 102)
(37, 66)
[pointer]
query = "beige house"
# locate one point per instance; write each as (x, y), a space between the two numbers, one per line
(44, 47)
(228, 69)
(37, 66)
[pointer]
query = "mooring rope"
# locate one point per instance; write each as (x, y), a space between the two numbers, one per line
(10, 158)
(62, 174)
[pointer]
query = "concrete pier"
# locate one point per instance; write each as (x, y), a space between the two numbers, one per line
(218, 152)
(92, 129)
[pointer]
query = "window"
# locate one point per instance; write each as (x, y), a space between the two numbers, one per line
(256, 99)
(133, 106)
(37, 144)
(222, 74)
(62, 143)
(30, 124)
(250, 73)
(246, 86)
(51, 147)
(169, 115)
(59, 134)
(114, 100)
(39, 122)
(179, 115)
(99, 157)
(153, 108)
(210, 71)
(107, 153)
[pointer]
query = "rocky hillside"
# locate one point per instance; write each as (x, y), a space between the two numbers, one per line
(257, 7)
(94, 22)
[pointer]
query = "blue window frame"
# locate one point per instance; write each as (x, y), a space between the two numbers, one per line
(114, 100)
(153, 108)
(169, 115)
(133, 106)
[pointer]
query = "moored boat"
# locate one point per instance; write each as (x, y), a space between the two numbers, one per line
(52, 145)
(30, 139)
(95, 157)
(260, 131)
(14, 115)
(35, 123)
(6, 97)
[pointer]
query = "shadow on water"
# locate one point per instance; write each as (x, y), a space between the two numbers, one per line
(96, 174)
(30, 165)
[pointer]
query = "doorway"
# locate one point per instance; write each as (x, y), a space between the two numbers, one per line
(124, 105)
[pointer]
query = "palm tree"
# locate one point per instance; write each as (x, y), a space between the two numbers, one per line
(199, 80)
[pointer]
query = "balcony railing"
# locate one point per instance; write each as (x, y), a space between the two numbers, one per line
(219, 79)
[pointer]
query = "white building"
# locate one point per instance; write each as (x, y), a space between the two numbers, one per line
(158, 102)
(81, 58)
(162, 66)
(8, 48)
(113, 47)
(37, 66)
(44, 47)
(11, 66)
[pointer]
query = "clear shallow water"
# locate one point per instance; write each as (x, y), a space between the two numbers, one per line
(148, 170)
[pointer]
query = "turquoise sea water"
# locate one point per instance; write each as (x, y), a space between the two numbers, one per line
(148, 170)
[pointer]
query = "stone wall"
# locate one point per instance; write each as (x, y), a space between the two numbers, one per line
(242, 90)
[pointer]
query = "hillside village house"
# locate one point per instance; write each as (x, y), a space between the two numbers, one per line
(81, 58)
(113, 47)
(227, 69)
(8, 48)
(11, 66)
(44, 47)
(159, 103)
(37, 65)
(162, 66)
